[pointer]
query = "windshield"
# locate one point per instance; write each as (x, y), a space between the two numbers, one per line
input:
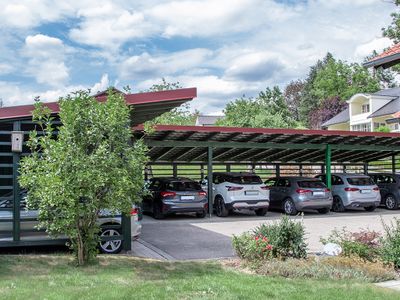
(360, 181)
(311, 184)
(183, 186)
(246, 179)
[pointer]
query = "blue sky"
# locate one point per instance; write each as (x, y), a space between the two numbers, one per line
(225, 48)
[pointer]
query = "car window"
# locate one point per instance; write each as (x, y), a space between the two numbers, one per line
(336, 180)
(389, 179)
(311, 184)
(283, 182)
(271, 182)
(155, 185)
(246, 179)
(360, 181)
(183, 186)
(322, 177)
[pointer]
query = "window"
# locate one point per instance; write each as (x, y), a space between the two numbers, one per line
(365, 108)
(155, 185)
(360, 181)
(311, 184)
(361, 127)
(183, 186)
(283, 182)
(336, 180)
(246, 179)
(271, 182)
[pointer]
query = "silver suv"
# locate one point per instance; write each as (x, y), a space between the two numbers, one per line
(293, 194)
(107, 222)
(353, 190)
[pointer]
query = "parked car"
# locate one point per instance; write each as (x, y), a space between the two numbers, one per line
(353, 190)
(294, 194)
(106, 220)
(175, 195)
(237, 191)
(389, 186)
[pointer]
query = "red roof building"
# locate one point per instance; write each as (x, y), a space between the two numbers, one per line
(386, 59)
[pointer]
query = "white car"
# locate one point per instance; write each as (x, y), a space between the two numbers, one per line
(237, 191)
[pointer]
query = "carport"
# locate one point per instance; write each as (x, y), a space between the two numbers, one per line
(195, 151)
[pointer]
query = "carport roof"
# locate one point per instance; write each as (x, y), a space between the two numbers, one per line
(147, 106)
(189, 144)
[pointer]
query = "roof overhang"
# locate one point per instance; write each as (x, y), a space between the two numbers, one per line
(146, 106)
(182, 144)
(384, 62)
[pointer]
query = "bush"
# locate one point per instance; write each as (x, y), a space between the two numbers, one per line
(364, 244)
(327, 268)
(390, 252)
(281, 240)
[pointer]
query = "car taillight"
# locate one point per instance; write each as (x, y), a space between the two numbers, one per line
(303, 191)
(376, 189)
(327, 190)
(351, 189)
(265, 188)
(167, 194)
(234, 188)
(202, 193)
(134, 211)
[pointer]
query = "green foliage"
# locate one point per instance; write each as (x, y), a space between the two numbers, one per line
(267, 110)
(327, 268)
(177, 116)
(88, 168)
(393, 30)
(390, 251)
(281, 240)
(382, 129)
(363, 244)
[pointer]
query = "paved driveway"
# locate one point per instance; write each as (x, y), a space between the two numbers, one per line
(186, 237)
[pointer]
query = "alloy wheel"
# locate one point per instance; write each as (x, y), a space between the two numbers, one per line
(110, 246)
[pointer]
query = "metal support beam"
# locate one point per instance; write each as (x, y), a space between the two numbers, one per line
(393, 164)
(210, 180)
(365, 168)
(277, 170)
(328, 155)
(175, 170)
(126, 232)
(16, 191)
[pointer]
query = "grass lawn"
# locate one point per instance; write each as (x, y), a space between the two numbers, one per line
(121, 277)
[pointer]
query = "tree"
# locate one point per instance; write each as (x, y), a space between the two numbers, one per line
(89, 167)
(292, 95)
(177, 116)
(329, 108)
(393, 30)
(268, 109)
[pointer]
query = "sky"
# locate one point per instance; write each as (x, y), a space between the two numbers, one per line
(225, 48)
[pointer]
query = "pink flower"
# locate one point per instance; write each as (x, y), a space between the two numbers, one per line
(269, 247)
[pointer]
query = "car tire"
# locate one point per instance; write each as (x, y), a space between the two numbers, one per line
(323, 211)
(110, 247)
(289, 208)
(370, 208)
(337, 205)
(391, 202)
(261, 212)
(157, 211)
(201, 215)
(220, 208)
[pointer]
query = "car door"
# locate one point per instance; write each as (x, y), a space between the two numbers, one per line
(282, 190)
(153, 189)
(271, 184)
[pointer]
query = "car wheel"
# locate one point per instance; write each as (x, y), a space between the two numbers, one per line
(289, 208)
(323, 210)
(261, 212)
(370, 208)
(220, 208)
(391, 202)
(201, 214)
(110, 247)
(157, 212)
(337, 205)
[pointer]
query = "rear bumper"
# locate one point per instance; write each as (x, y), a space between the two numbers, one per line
(175, 207)
(363, 204)
(247, 204)
(313, 204)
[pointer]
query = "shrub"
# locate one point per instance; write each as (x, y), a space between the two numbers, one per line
(364, 244)
(390, 252)
(281, 239)
(287, 238)
(327, 268)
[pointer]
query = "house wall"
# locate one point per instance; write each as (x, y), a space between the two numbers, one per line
(341, 126)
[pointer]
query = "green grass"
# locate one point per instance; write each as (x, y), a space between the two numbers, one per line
(121, 277)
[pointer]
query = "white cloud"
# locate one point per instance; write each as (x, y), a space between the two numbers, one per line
(46, 59)
(102, 85)
(377, 44)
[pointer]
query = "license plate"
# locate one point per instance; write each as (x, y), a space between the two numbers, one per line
(365, 191)
(187, 197)
(250, 193)
(318, 193)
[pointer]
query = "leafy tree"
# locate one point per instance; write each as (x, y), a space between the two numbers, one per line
(177, 116)
(329, 108)
(393, 30)
(268, 109)
(89, 167)
(292, 95)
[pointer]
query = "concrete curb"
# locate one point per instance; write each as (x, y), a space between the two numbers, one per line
(391, 284)
(142, 248)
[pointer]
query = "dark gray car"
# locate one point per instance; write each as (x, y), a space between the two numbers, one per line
(293, 194)
(389, 186)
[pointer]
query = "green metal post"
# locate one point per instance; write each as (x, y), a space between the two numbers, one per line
(210, 180)
(175, 170)
(365, 168)
(328, 173)
(277, 170)
(126, 232)
(16, 191)
(393, 164)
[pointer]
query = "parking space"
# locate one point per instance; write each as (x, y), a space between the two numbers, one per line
(186, 237)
